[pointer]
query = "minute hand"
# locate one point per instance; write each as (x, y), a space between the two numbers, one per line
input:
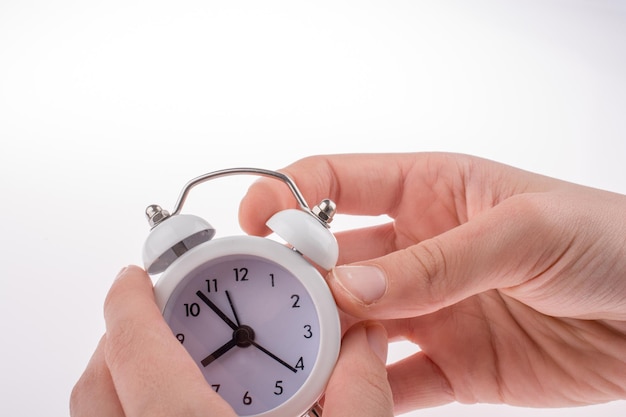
(276, 358)
(216, 309)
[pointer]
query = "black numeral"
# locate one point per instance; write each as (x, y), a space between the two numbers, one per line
(300, 364)
(180, 337)
(272, 278)
(279, 388)
(309, 333)
(241, 274)
(216, 387)
(192, 309)
(247, 399)
(211, 285)
(296, 299)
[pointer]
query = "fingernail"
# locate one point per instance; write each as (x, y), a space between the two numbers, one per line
(377, 339)
(365, 283)
(119, 274)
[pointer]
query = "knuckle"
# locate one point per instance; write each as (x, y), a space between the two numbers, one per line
(430, 265)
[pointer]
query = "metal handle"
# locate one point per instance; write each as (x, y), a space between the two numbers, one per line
(323, 212)
(240, 171)
(316, 411)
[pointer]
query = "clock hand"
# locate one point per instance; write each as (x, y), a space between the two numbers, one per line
(217, 311)
(232, 306)
(243, 337)
(219, 352)
(249, 339)
(276, 358)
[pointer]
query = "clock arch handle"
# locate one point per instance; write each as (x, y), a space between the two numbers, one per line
(241, 171)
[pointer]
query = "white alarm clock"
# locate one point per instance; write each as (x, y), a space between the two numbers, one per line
(254, 314)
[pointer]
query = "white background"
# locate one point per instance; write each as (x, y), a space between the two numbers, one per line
(106, 107)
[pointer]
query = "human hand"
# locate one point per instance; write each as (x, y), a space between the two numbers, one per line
(513, 284)
(140, 369)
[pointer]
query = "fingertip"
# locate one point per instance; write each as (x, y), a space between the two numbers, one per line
(363, 284)
(359, 385)
(131, 283)
(371, 334)
(378, 340)
(129, 270)
(126, 278)
(418, 382)
(262, 200)
(119, 274)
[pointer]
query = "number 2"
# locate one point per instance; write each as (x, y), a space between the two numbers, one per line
(295, 304)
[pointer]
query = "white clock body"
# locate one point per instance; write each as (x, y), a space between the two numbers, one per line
(257, 318)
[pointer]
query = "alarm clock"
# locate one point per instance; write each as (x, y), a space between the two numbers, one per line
(255, 314)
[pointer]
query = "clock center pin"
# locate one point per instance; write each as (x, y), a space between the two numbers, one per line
(244, 336)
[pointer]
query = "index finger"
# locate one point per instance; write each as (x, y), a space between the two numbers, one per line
(364, 184)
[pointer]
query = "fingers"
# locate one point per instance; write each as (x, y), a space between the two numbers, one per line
(94, 394)
(417, 382)
(359, 386)
(151, 371)
(366, 243)
(500, 248)
(349, 180)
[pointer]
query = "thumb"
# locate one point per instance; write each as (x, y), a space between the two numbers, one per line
(359, 385)
(500, 248)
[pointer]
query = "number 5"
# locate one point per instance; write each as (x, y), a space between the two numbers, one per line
(279, 388)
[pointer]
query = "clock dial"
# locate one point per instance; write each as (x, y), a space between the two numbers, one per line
(251, 326)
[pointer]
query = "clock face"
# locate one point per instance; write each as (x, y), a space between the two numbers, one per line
(251, 326)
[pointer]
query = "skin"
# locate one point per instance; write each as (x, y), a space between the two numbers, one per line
(512, 284)
(140, 369)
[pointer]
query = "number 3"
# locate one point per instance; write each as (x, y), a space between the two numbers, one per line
(309, 333)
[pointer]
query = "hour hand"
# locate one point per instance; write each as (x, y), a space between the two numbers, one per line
(219, 352)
